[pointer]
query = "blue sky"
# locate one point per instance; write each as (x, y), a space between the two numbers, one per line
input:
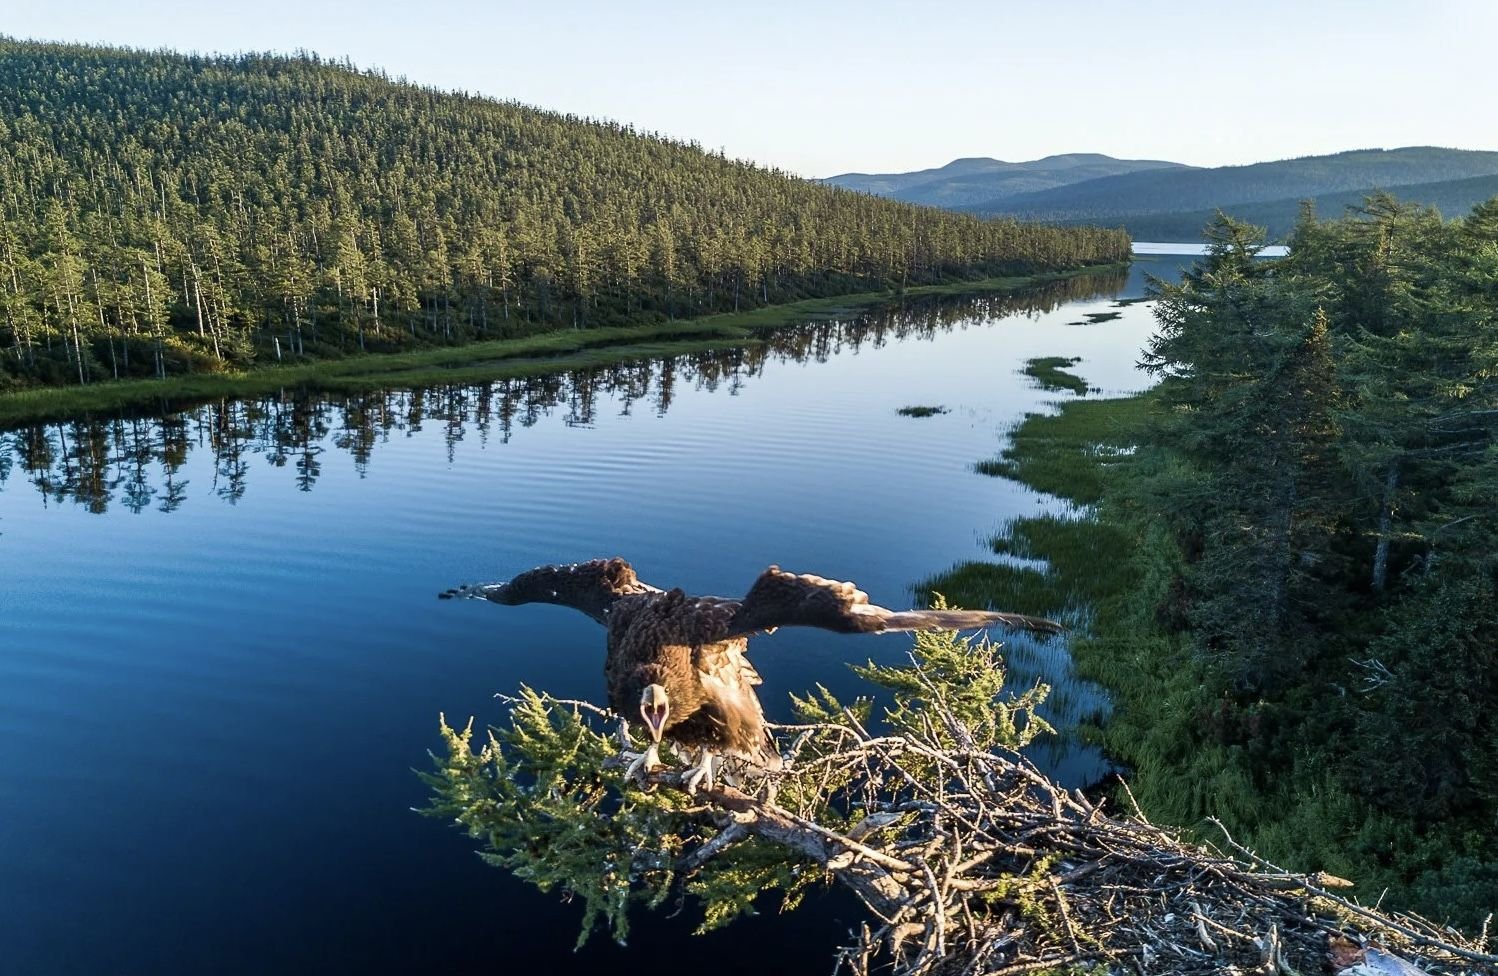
(882, 85)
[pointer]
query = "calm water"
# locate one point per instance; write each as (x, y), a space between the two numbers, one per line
(221, 656)
(1151, 249)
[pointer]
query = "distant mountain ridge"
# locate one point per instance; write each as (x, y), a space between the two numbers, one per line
(965, 183)
(1160, 201)
(1453, 198)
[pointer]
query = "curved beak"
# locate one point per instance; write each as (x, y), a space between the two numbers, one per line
(654, 707)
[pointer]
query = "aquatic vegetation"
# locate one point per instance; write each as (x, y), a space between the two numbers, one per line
(1050, 372)
(921, 411)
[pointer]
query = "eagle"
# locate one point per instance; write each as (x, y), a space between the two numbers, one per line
(679, 661)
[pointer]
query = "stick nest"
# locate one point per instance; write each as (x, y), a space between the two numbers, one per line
(969, 860)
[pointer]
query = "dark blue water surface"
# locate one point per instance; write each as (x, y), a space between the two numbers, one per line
(221, 656)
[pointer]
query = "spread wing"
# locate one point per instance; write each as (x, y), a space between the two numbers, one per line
(781, 599)
(592, 587)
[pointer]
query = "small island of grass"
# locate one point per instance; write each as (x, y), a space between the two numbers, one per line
(920, 411)
(1093, 318)
(1050, 373)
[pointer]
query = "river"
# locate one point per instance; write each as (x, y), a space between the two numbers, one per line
(221, 657)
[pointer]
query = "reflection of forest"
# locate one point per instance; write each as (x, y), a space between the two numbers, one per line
(138, 461)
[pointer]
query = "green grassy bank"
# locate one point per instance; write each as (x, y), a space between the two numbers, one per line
(477, 362)
(1073, 454)
(1108, 571)
(1112, 570)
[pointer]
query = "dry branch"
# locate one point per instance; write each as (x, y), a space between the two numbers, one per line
(994, 869)
(970, 861)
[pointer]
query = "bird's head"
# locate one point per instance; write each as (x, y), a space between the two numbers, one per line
(655, 706)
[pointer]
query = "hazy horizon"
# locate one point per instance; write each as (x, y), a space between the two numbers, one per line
(885, 87)
(1086, 152)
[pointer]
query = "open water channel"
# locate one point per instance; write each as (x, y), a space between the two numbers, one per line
(221, 657)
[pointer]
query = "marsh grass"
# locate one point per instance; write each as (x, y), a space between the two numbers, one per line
(1067, 564)
(920, 411)
(1069, 454)
(1050, 372)
(1073, 561)
(1095, 318)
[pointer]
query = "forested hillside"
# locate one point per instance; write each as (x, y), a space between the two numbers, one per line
(1316, 585)
(163, 214)
(966, 182)
(1113, 198)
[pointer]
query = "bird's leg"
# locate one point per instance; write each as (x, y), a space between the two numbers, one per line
(637, 761)
(702, 773)
(643, 762)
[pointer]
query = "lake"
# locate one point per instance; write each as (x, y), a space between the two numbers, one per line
(1176, 249)
(221, 655)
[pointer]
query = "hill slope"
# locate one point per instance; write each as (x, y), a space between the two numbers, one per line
(966, 182)
(1114, 198)
(162, 213)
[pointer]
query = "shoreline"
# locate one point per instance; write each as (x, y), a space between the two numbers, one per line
(1080, 566)
(548, 352)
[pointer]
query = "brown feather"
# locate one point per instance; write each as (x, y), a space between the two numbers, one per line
(696, 646)
(781, 599)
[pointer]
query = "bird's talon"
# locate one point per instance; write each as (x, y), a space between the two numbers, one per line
(642, 763)
(700, 773)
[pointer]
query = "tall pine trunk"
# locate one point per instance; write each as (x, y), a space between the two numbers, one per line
(1385, 521)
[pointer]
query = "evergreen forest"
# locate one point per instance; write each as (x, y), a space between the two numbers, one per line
(1306, 638)
(165, 214)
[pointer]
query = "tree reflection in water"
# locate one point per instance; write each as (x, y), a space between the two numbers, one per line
(138, 461)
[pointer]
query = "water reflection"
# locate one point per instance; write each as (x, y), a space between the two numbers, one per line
(138, 462)
(255, 681)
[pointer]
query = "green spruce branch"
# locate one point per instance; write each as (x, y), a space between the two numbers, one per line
(967, 858)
